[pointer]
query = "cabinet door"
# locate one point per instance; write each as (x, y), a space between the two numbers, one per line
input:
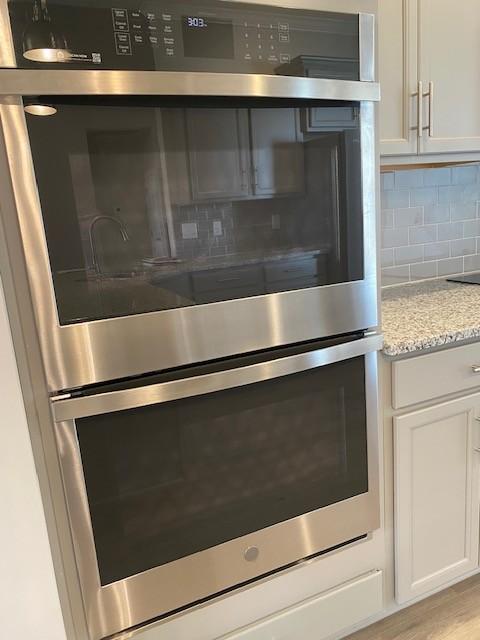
(218, 153)
(277, 152)
(398, 76)
(436, 496)
(449, 55)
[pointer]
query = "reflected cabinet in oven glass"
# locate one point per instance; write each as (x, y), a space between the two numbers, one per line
(157, 204)
(170, 480)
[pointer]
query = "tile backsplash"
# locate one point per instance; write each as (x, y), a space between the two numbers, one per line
(430, 223)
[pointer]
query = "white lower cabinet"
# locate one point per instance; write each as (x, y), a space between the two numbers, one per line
(436, 498)
(322, 616)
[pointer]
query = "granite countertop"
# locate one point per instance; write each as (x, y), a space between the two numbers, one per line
(429, 314)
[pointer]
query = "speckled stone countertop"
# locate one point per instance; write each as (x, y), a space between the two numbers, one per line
(429, 314)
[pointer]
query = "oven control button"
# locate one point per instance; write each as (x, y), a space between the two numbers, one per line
(251, 554)
(123, 44)
(120, 19)
(285, 58)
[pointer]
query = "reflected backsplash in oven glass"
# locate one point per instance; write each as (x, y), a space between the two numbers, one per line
(149, 208)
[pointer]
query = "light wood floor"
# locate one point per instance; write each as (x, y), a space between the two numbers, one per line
(453, 614)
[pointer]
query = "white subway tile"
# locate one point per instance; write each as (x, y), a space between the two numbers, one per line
(395, 199)
(471, 229)
(463, 247)
(437, 177)
(409, 255)
(408, 179)
(424, 196)
(423, 270)
(394, 238)
(395, 275)
(387, 218)
(464, 175)
(471, 192)
(387, 258)
(436, 213)
(450, 231)
(387, 180)
(471, 263)
(437, 250)
(452, 193)
(422, 235)
(408, 217)
(463, 211)
(450, 267)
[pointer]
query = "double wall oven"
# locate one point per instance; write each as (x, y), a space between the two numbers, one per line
(194, 185)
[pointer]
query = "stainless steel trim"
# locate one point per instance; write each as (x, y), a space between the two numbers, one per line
(7, 51)
(166, 392)
(430, 109)
(89, 353)
(367, 46)
(419, 95)
(123, 604)
(20, 82)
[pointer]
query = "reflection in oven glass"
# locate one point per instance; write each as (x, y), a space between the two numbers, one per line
(156, 208)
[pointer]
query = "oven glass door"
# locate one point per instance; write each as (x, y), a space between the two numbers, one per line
(170, 480)
(154, 204)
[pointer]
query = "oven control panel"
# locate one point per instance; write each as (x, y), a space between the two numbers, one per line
(215, 36)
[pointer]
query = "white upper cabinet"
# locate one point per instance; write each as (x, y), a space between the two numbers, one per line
(398, 76)
(449, 60)
(433, 45)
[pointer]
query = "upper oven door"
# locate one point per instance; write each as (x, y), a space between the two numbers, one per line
(170, 218)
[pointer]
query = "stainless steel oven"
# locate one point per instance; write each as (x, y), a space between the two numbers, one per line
(194, 188)
(204, 479)
(185, 202)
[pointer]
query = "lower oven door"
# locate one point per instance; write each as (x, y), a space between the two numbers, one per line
(208, 478)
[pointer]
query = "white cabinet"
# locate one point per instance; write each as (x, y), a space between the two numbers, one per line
(398, 76)
(449, 58)
(436, 495)
(435, 43)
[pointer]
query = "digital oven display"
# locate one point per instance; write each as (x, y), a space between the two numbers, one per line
(205, 37)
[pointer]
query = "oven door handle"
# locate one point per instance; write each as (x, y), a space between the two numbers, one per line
(82, 407)
(182, 83)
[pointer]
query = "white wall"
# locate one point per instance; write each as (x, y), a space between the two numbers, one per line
(29, 604)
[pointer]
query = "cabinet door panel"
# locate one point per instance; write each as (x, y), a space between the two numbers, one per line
(436, 496)
(449, 54)
(277, 152)
(398, 76)
(218, 151)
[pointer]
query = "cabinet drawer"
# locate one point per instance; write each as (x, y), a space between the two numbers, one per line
(227, 278)
(329, 118)
(434, 375)
(321, 616)
(290, 269)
